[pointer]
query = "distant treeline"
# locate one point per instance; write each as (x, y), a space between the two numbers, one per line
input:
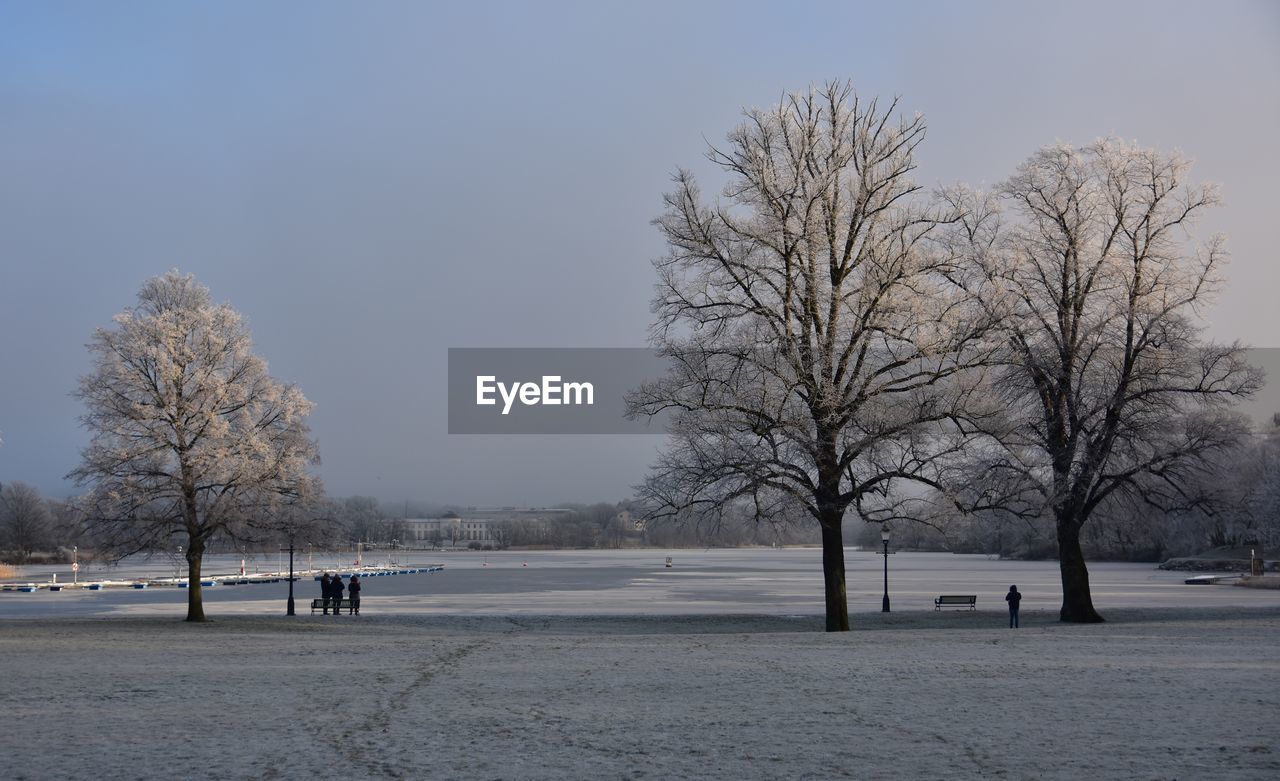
(1237, 505)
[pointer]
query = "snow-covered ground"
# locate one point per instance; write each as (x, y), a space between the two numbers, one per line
(1153, 693)
(609, 665)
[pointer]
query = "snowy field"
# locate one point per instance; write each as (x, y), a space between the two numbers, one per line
(606, 665)
(1185, 694)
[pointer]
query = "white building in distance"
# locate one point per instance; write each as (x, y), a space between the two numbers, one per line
(425, 532)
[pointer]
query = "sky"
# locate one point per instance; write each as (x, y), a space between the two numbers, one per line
(371, 184)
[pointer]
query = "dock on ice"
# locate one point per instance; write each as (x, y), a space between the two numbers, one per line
(215, 580)
(1209, 580)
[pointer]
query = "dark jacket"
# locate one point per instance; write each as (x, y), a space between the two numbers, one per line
(326, 590)
(354, 588)
(1013, 598)
(337, 587)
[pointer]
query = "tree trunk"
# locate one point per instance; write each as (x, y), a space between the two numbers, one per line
(1077, 602)
(195, 601)
(833, 571)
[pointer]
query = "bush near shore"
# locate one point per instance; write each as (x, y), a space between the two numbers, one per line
(60, 556)
(1216, 565)
(1225, 559)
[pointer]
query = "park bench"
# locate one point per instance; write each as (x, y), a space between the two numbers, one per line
(956, 600)
(321, 604)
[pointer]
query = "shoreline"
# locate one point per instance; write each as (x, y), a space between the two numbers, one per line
(661, 623)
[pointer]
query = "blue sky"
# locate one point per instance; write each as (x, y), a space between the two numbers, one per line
(371, 184)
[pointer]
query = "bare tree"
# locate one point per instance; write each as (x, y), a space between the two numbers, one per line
(25, 520)
(1265, 504)
(191, 438)
(361, 518)
(501, 532)
(1111, 394)
(1246, 483)
(815, 328)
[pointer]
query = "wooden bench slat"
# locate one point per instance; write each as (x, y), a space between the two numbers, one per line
(956, 600)
(322, 604)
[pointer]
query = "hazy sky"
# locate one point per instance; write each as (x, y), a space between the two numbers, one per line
(373, 183)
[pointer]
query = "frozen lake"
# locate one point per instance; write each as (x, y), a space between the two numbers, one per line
(633, 582)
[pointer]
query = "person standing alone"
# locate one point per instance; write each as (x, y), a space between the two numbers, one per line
(1013, 598)
(354, 590)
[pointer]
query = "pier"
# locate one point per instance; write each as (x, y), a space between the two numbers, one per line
(214, 580)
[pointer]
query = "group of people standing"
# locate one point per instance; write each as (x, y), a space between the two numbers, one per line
(331, 588)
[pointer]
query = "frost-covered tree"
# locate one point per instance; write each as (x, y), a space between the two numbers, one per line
(190, 436)
(25, 520)
(1265, 504)
(1111, 395)
(815, 330)
(360, 518)
(1247, 482)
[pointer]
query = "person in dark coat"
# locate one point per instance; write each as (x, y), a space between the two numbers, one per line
(338, 588)
(326, 592)
(1013, 598)
(354, 591)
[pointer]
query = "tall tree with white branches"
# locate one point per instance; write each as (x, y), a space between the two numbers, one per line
(1109, 392)
(191, 438)
(817, 335)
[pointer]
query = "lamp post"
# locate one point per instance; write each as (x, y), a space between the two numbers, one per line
(884, 537)
(289, 610)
